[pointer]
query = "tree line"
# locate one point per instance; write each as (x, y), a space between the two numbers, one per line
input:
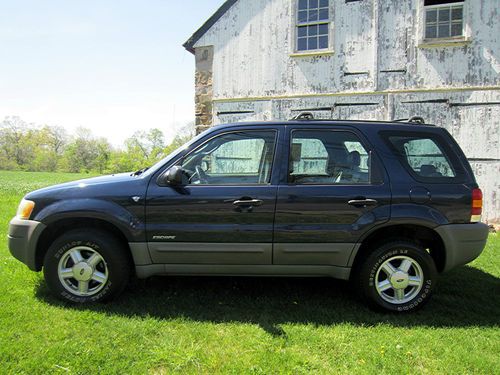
(27, 147)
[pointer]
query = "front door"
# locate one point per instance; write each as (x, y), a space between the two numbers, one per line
(225, 213)
(335, 192)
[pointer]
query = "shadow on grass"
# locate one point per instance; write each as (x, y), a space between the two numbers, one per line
(464, 297)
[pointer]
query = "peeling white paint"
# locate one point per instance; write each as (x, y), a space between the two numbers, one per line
(254, 70)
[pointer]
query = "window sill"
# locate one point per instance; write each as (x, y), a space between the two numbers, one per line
(312, 53)
(444, 42)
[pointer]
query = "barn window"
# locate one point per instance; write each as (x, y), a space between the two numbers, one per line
(313, 18)
(444, 19)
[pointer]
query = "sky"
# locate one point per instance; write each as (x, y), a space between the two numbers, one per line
(113, 66)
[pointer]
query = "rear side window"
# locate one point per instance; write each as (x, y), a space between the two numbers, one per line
(426, 156)
(330, 157)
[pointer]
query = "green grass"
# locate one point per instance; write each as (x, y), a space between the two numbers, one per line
(231, 325)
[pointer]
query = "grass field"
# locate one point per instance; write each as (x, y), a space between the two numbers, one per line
(231, 325)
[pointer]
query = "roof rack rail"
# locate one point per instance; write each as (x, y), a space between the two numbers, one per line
(413, 120)
(303, 116)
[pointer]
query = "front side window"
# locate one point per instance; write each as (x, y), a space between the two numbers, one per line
(329, 158)
(232, 159)
(444, 19)
(313, 19)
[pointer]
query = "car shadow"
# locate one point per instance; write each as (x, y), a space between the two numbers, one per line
(464, 297)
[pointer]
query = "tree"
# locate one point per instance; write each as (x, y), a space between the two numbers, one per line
(86, 153)
(15, 142)
(184, 134)
(55, 137)
(50, 142)
(25, 146)
(143, 148)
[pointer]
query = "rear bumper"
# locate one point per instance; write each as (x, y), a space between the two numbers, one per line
(463, 242)
(23, 238)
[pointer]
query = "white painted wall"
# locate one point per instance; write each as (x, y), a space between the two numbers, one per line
(254, 39)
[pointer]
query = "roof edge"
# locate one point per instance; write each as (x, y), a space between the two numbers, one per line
(189, 44)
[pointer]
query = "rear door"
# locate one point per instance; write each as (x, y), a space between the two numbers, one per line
(225, 214)
(335, 190)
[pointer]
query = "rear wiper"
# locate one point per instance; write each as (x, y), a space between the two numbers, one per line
(140, 171)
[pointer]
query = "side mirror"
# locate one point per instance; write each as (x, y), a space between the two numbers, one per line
(175, 176)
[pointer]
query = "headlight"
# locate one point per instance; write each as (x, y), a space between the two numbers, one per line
(25, 209)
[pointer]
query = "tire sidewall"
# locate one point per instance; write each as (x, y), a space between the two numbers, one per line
(105, 245)
(373, 263)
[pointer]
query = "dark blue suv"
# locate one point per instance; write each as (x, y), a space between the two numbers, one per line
(387, 205)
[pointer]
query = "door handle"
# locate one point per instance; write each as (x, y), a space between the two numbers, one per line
(248, 202)
(362, 202)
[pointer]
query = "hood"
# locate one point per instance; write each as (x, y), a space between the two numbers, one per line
(87, 186)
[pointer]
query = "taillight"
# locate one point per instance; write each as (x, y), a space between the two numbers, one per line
(477, 206)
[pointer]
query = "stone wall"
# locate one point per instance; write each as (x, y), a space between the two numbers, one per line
(204, 87)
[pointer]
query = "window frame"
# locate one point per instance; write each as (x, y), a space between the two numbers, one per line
(375, 173)
(297, 25)
(424, 42)
(438, 7)
(180, 160)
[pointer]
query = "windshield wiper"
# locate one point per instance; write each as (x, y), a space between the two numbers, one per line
(140, 171)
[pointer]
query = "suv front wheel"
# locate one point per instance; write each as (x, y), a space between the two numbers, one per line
(86, 265)
(398, 276)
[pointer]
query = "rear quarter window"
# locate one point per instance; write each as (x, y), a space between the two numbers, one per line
(427, 157)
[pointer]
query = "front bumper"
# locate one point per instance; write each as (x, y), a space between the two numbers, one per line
(23, 238)
(463, 242)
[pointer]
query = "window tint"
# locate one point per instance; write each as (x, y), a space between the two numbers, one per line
(232, 159)
(424, 156)
(328, 157)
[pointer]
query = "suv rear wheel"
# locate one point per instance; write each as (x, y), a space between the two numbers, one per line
(398, 276)
(86, 265)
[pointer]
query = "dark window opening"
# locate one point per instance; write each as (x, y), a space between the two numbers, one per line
(440, 2)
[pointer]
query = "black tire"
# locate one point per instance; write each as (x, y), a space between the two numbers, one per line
(113, 263)
(371, 274)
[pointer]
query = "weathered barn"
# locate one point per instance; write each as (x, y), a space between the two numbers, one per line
(358, 59)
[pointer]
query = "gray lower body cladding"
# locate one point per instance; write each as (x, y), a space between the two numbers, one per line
(463, 242)
(244, 259)
(143, 272)
(23, 238)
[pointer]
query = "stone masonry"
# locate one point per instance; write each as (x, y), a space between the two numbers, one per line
(204, 89)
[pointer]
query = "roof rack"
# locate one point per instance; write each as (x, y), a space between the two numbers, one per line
(303, 116)
(309, 116)
(413, 120)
